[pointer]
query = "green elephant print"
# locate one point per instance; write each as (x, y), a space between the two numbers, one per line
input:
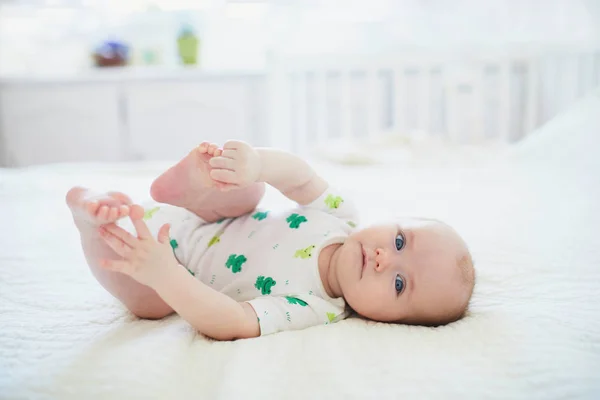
(295, 300)
(333, 202)
(150, 213)
(235, 262)
(295, 220)
(264, 284)
(305, 253)
(214, 240)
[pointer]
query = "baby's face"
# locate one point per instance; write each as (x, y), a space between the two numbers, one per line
(404, 272)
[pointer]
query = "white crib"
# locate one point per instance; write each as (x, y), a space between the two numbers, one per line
(458, 98)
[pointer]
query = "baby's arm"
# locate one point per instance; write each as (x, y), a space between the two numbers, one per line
(212, 313)
(291, 175)
(241, 164)
(151, 262)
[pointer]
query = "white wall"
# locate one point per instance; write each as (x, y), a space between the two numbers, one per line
(239, 36)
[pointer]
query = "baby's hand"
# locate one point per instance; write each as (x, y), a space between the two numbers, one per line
(238, 165)
(143, 258)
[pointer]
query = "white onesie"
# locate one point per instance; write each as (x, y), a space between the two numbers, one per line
(265, 258)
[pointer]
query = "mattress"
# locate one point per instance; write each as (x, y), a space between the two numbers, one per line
(531, 219)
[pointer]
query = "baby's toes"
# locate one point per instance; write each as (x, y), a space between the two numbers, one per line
(92, 207)
(203, 147)
(113, 213)
(123, 211)
(212, 148)
(136, 212)
(102, 213)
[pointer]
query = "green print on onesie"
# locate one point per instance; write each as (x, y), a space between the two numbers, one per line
(333, 201)
(295, 300)
(235, 262)
(305, 253)
(259, 216)
(264, 284)
(214, 240)
(295, 220)
(330, 316)
(150, 213)
(174, 244)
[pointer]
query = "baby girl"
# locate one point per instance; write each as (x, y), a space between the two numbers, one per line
(234, 271)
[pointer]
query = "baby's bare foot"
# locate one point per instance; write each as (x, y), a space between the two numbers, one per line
(97, 209)
(183, 184)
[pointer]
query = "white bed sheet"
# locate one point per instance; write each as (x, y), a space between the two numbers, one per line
(534, 329)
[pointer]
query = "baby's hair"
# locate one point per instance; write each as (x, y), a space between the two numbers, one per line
(467, 274)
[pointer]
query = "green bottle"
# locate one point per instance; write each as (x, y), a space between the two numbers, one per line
(188, 46)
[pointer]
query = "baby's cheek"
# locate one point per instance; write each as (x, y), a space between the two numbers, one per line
(364, 299)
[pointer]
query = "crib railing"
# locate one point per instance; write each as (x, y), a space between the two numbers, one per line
(460, 99)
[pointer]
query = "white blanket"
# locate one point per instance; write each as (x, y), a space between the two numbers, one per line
(533, 332)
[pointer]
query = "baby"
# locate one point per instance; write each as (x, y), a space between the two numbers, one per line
(232, 271)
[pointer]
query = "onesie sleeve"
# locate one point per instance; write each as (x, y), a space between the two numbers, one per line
(285, 313)
(335, 203)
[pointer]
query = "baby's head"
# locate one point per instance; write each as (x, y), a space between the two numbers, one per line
(417, 271)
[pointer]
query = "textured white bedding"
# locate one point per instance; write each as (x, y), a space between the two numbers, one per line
(534, 330)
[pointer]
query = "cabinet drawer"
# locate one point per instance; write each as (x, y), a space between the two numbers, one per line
(60, 123)
(167, 119)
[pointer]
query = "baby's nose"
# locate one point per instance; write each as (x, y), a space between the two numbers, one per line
(381, 259)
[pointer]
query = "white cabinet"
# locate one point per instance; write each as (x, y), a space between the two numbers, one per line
(125, 117)
(167, 119)
(59, 123)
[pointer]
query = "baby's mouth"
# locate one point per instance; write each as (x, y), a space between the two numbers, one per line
(364, 260)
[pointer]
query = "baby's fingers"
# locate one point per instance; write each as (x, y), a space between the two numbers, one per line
(222, 163)
(163, 234)
(234, 145)
(118, 246)
(225, 176)
(138, 223)
(225, 187)
(229, 154)
(122, 234)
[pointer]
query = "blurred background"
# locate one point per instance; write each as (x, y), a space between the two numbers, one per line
(352, 81)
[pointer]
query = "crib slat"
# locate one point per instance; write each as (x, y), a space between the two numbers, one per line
(424, 102)
(399, 96)
(478, 133)
(531, 105)
(279, 85)
(345, 80)
(320, 92)
(301, 104)
(504, 109)
(452, 101)
(293, 111)
(373, 106)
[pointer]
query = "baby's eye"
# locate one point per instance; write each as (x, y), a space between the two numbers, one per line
(399, 242)
(399, 284)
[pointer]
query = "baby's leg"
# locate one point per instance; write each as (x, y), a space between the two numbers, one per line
(89, 212)
(187, 184)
